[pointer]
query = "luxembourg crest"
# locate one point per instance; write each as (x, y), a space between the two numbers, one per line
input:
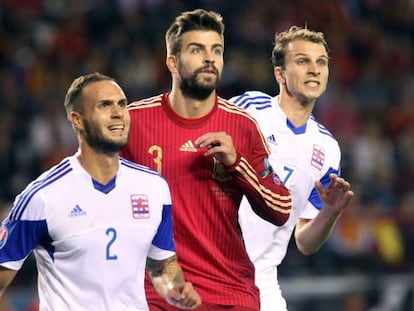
(318, 156)
(140, 206)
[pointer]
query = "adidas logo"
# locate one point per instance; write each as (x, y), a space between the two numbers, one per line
(188, 146)
(76, 211)
(271, 139)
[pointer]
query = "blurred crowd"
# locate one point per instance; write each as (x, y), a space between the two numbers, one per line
(368, 106)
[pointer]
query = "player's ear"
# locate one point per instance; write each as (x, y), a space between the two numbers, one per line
(279, 74)
(171, 62)
(76, 120)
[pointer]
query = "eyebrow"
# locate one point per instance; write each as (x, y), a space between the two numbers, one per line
(203, 45)
(306, 55)
(110, 101)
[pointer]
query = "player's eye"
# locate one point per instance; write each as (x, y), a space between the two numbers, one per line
(322, 62)
(302, 61)
(196, 50)
(218, 51)
(123, 103)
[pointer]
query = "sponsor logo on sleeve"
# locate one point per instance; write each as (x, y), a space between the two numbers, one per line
(4, 234)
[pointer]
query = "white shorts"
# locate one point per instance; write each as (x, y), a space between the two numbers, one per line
(271, 298)
(272, 302)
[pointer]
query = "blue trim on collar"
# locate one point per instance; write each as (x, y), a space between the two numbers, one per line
(104, 188)
(296, 130)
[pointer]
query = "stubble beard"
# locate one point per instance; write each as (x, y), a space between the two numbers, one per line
(99, 143)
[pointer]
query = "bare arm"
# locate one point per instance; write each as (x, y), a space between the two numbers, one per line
(6, 276)
(311, 234)
(168, 280)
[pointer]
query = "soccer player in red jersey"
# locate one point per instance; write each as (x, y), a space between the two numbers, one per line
(211, 153)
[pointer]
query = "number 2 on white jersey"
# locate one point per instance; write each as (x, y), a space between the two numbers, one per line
(111, 232)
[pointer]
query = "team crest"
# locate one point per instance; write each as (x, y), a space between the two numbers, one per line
(140, 206)
(219, 171)
(268, 169)
(4, 234)
(318, 157)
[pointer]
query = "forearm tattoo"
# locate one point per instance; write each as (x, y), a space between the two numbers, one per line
(169, 269)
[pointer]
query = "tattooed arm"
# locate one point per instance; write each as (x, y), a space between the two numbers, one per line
(168, 280)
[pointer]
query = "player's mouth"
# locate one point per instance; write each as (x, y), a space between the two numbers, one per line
(209, 70)
(116, 128)
(312, 83)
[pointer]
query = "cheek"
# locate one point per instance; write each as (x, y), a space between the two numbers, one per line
(292, 81)
(219, 61)
(185, 68)
(325, 79)
(127, 119)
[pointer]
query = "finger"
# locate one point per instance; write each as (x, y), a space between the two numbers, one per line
(213, 150)
(333, 176)
(343, 185)
(207, 139)
(347, 186)
(208, 143)
(318, 186)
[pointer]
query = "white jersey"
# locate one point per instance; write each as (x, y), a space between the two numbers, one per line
(299, 156)
(90, 241)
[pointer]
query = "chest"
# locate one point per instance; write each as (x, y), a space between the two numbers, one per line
(293, 151)
(85, 209)
(170, 148)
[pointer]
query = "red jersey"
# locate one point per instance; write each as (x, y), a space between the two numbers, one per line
(206, 195)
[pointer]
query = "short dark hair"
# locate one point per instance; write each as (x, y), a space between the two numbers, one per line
(73, 95)
(198, 19)
(294, 33)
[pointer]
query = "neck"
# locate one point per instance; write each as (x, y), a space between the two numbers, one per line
(102, 167)
(297, 112)
(190, 108)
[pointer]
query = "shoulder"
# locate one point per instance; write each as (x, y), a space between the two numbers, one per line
(55, 173)
(149, 102)
(323, 137)
(323, 131)
(31, 195)
(252, 100)
(240, 122)
(238, 112)
(141, 170)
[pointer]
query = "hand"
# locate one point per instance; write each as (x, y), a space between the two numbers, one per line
(219, 145)
(184, 296)
(337, 195)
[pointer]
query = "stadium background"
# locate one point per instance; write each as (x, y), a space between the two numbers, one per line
(368, 263)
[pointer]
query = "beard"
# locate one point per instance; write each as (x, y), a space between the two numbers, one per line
(191, 87)
(99, 142)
